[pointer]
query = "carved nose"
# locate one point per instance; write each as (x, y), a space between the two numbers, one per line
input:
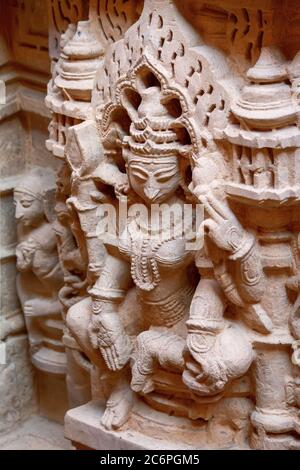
(19, 213)
(150, 192)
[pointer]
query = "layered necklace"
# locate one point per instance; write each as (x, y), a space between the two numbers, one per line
(144, 265)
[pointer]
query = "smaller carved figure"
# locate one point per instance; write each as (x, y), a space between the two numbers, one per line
(40, 277)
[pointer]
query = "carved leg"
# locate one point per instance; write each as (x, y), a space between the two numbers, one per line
(120, 401)
(120, 398)
(155, 348)
(77, 321)
(274, 421)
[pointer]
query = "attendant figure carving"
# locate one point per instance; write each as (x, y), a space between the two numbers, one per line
(40, 277)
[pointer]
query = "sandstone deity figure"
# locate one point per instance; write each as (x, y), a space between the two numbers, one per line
(40, 277)
(159, 268)
(178, 112)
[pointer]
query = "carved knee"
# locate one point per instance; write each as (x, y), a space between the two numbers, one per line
(77, 318)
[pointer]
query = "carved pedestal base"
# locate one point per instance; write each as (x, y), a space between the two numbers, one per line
(52, 395)
(146, 429)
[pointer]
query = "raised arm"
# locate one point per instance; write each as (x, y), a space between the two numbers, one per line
(246, 278)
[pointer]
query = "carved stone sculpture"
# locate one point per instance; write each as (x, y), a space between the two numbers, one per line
(72, 255)
(40, 276)
(185, 328)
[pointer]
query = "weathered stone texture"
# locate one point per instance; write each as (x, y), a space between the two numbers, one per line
(16, 384)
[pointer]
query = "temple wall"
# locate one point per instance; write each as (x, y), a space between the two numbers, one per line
(25, 70)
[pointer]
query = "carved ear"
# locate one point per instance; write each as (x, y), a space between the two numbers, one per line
(49, 204)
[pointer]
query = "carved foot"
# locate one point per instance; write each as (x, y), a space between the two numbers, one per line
(118, 407)
(275, 421)
(155, 349)
(141, 383)
(275, 430)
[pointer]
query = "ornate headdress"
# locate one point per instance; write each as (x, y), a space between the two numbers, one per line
(40, 184)
(147, 116)
(155, 131)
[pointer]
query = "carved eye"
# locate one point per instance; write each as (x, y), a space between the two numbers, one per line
(138, 173)
(26, 204)
(166, 174)
(139, 176)
(163, 178)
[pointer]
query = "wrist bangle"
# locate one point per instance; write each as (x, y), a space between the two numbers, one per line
(244, 248)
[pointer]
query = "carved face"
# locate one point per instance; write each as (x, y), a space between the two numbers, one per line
(154, 181)
(29, 210)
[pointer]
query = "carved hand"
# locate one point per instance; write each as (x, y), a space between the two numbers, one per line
(116, 355)
(41, 307)
(205, 376)
(30, 310)
(107, 333)
(24, 253)
(122, 186)
(296, 353)
(222, 227)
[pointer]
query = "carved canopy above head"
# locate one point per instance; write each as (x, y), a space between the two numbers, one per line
(159, 50)
(148, 115)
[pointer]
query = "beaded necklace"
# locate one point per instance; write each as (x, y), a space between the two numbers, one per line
(144, 266)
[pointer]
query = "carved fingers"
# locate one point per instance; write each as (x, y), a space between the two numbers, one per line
(41, 307)
(24, 253)
(296, 353)
(215, 232)
(30, 309)
(117, 355)
(206, 376)
(122, 189)
(213, 209)
(222, 226)
(107, 334)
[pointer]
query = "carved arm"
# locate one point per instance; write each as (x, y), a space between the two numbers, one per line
(105, 329)
(240, 272)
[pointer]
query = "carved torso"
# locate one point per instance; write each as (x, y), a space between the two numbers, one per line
(159, 271)
(40, 251)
